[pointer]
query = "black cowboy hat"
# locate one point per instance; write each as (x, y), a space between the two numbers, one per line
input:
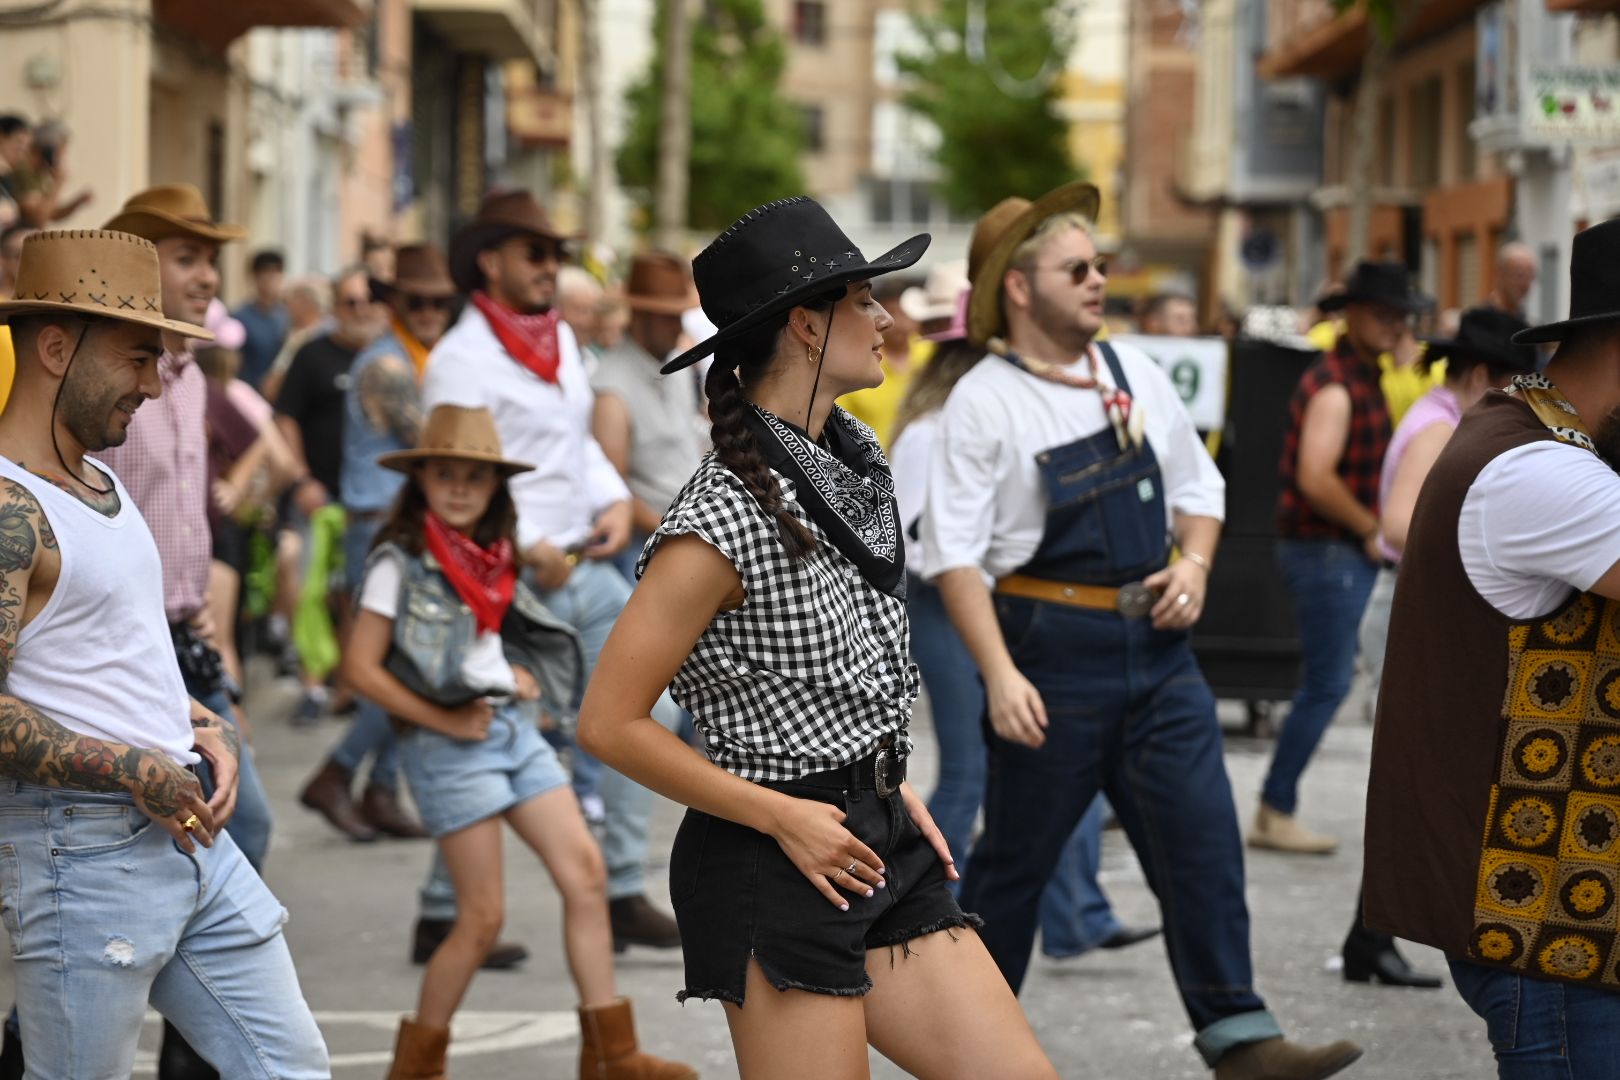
(1594, 285)
(774, 258)
(1485, 336)
(1386, 283)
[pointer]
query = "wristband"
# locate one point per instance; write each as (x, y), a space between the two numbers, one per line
(1196, 559)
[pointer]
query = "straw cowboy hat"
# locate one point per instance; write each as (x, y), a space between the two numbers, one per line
(96, 272)
(937, 297)
(998, 234)
(419, 270)
(171, 210)
(774, 258)
(501, 216)
(1594, 285)
(454, 431)
(660, 283)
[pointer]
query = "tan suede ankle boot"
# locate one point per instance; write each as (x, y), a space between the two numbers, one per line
(608, 1051)
(1278, 831)
(419, 1052)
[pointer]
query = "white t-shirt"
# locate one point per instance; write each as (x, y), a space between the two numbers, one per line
(986, 503)
(1540, 523)
(908, 461)
(483, 668)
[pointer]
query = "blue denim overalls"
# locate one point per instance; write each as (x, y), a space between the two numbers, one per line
(1130, 714)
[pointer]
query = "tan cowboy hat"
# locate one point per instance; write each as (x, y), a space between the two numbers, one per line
(937, 297)
(97, 272)
(419, 270)
(660, 283)
(501, 216)
(455, 431)
(172, 210)
(998, 233)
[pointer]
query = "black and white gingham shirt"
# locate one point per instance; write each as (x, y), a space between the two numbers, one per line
(814, 669)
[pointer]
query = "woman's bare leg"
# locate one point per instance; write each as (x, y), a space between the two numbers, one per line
(941, 1010)
(473, 857)
(553, 826)
(792, 1034)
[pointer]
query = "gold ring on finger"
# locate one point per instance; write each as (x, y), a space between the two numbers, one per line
(838, 875)
(192, 823)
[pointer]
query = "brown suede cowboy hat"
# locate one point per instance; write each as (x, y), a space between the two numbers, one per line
(419, 270)
(997, 235)
(455, 431)
(171, 210)
(95, 272)
(660, 283)
(501, 216)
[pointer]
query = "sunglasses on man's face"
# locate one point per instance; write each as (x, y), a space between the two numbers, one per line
(540, 251)
(427, 303)
(354, 303)
(1079, 269)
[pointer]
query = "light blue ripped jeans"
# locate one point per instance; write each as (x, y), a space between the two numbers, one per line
(105, 913)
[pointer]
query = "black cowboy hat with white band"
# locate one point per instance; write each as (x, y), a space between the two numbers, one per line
(1594, 285)
(774, 258)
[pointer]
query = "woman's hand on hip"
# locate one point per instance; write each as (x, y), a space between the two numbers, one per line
(917, 810)
(813, 836)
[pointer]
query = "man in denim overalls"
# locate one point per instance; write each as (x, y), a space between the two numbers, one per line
(1064, 469)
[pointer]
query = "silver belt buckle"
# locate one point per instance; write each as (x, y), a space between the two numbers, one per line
(882, 767)
(1135, 600)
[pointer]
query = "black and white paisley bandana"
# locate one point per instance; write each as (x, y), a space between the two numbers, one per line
(844, 484)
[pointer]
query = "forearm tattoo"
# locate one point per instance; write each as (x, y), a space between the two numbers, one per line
(227, 732)
(390, 400)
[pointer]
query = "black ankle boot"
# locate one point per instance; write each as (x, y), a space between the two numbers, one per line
(1380, 962)
(178, 1061)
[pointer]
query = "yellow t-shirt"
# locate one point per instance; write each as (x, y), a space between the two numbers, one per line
(878, 406)
(1402, 386)
(8, 366)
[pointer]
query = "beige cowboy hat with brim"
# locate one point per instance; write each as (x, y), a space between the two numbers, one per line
(172, 210)
(455, 431)
(660, 283)
(95, 272)
(419, 270)
(997, 235)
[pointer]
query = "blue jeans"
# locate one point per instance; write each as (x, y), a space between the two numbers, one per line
(590, 602)
(250, 824)
(1329, 582)
(1075, 915)
(1130, 714)
(105, 913)
(1540, 1029)
(370, 733)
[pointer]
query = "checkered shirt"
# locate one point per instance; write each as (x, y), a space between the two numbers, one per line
(814, 669)
(163, 464)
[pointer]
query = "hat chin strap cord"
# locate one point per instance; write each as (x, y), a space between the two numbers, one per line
(821, 362)
(56, 402)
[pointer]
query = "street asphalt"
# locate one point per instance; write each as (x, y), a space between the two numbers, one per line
(1101, 1017)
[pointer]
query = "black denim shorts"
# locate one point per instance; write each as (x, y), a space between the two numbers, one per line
(737, 897)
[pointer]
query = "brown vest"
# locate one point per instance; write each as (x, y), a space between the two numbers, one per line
(1493, 811)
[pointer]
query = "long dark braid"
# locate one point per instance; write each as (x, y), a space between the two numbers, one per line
(735, 366)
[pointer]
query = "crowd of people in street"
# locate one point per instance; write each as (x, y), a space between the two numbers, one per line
(551, 544)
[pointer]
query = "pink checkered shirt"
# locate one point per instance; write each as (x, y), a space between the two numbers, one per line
(164, 466)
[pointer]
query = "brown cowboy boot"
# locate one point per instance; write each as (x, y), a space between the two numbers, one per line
(328, 794)
(380, 808)
(608, 1051)
(636, 922)
(419, 1052)
(1279, 1059)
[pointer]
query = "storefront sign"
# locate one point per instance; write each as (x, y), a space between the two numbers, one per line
(1197, 367)
(1573, 102)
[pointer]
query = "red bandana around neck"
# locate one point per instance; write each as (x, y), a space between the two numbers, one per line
(484, 578)
(530, 339)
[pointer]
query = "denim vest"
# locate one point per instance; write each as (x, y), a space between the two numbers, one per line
(433, 630)
(366, 486)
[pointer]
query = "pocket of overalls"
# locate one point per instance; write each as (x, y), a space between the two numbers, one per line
(1107, 501)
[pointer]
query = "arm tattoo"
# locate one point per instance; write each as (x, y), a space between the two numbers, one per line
(226, 729)
(19, 547)
(389, 398)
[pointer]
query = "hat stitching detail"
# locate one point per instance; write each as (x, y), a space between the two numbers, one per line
(102, 299)
(127, 302)
(151, 305)
(67, 297)
(754, 214)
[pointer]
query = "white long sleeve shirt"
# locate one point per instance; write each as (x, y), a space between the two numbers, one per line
(986, 504)
(542, 424)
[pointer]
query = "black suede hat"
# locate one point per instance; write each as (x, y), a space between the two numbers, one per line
(1386, 283)
(1594, 285)
(1485, 336)
(774, 258)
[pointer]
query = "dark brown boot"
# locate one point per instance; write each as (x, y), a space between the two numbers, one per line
(430, 934)
(419, 1052)
(637, 922)
(608, 1050)
(1279, 1059)
(380, 808)
(328, 794)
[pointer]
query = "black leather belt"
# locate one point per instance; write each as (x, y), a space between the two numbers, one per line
(882, 771)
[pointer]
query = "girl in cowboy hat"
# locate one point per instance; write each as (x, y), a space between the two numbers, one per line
(810, 884)
(463, 656)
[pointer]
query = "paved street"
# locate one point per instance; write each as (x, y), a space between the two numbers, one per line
(1103, 1017)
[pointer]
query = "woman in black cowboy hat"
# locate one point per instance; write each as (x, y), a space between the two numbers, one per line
(808, 879)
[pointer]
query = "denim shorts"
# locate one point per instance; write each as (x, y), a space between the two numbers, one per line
(456, 783)
(737, 897)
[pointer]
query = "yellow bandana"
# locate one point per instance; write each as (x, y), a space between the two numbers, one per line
(1552, 408)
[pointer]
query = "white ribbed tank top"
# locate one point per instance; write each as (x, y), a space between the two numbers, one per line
(98, 658)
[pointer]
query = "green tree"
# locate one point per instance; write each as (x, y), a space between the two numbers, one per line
(746, 137)
(986, 75)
